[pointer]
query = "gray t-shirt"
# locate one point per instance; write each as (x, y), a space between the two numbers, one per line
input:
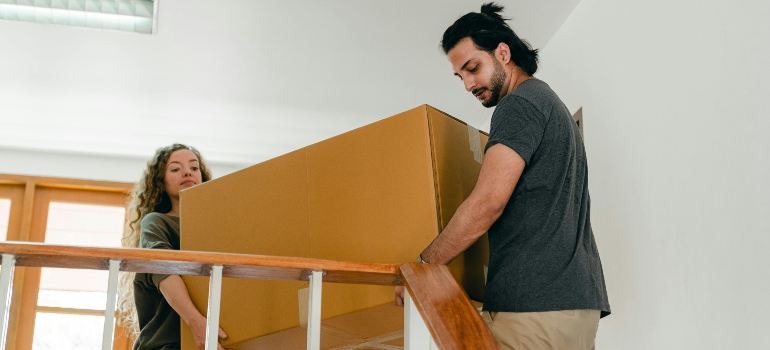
(543, 256)
(159, 324)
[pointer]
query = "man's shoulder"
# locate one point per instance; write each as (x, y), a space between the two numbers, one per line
(534, 91)
(522, 98)
(531, 94)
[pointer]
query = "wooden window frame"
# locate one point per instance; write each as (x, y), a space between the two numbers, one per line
(30, 197)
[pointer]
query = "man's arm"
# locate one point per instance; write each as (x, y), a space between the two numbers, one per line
(499, 174)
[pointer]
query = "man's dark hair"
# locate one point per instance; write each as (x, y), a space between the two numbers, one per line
(488, 29)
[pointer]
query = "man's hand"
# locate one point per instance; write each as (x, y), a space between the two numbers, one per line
(198, 328)
(400, 296)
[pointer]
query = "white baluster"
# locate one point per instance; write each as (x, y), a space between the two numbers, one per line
(314, 314)
(416, 333)
(212, 316)
(109, 310)
(6, 291)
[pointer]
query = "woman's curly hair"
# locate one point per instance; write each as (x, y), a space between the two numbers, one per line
(148, 196)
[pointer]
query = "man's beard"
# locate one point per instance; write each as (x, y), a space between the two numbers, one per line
(497, 82)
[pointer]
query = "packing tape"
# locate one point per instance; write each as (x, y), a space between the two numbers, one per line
(475, 142)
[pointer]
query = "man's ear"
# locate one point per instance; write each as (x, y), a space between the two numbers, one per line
(503, 53)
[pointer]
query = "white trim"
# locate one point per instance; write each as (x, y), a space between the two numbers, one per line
(6, 291)
(212, 316)
(109, 310)
(416, 333)
(314, 314)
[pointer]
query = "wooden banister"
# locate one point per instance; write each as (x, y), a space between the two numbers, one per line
(445, 308)
(451, 318)
(199, 263)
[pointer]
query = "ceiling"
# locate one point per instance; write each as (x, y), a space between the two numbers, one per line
(242, 80)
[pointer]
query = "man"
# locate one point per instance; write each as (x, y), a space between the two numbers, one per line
(545, 286)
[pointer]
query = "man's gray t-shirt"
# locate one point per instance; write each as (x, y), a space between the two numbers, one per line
(543, 256)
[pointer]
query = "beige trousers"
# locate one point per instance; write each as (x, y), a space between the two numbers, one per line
(557, 330)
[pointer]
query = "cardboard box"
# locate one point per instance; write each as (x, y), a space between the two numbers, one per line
(380, 193)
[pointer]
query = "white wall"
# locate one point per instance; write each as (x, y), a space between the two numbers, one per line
(242, 80)
(677, 131)
(87, 166)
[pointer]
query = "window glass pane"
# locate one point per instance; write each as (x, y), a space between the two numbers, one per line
(78, 224)
(72, 299)
(5, 213)
(84, 224)
(67, 332)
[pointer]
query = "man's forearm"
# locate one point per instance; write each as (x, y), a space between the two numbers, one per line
(498, 177)
(472, 219)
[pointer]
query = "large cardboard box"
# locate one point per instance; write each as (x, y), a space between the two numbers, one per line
(380, 193)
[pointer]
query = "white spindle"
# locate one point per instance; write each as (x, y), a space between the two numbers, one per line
(109, 310)
(416, 333)
(6, 291)
(212, 318)
(314, 314)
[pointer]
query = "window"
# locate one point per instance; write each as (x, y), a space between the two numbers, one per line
(67, 332)
(72, 301)
(5, 213)
(61, 308)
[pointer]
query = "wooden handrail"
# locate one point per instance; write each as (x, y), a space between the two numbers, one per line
(451, 318)
(445, 308)
(199, 263)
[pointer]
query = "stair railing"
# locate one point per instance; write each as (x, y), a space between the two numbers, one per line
(438, 313)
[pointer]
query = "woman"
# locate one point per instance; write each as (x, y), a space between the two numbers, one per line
(151, 305)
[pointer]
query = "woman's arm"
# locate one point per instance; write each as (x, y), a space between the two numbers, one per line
(175, 292)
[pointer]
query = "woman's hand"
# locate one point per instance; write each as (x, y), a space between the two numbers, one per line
(198, 328)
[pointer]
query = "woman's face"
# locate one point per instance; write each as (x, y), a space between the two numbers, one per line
(182, 171)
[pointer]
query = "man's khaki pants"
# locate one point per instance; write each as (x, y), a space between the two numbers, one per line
(558, 330)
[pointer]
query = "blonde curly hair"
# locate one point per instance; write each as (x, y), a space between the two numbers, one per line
(148, 196)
